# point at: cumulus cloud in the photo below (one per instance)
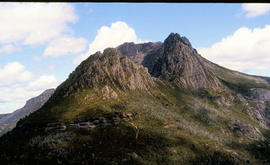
(243, 50)
(43, 82)
(18, 85)
(34, 23)
(118, 33)
(14, 72)
(254, 10)
(65, 45)
(17, 94)
(39, 23)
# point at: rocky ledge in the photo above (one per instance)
(100, 122)
(244, 129)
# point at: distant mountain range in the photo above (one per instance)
(8, 121)
(3, 115)
(151, 103)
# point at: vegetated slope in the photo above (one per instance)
(178, 109)
(8, 121)
(96, 80)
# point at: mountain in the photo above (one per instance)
(107, 69)
(174, 60)
(8, 121)
(150, 103)
(3, 115)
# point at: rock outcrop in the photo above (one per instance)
(174, 60)
(109, 70)
(181, 64)
(245, 130)
(259, 106)
(138, 52)
(260, 94)
(100, 122)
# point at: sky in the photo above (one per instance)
(42, 43)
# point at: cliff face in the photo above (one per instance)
(181, 64)
(138, 52)
(174, 60)
(108, 69)
(9, 121)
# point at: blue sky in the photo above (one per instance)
(41, 43)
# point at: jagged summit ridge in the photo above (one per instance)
(138, 52)
(176, 61)
(174, 38)
(182, 64)
(107, 69)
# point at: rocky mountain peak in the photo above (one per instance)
(182, 64)
(173, 60)
(107, 69)
(175, 40)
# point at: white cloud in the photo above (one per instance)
(65, 45)
(43, 82)
(39, 23)
(244, 50)
(7, 107)
(34, 23)
(8, 48)
(14, 73)
(118, 33)
(255, 9)
(18, 85)
(17, 93)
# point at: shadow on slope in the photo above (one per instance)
(112, 145)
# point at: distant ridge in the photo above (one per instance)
(8, 121)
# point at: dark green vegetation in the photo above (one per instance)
(112, 111)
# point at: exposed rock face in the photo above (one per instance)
(181, 64)
(259, 98)
(138, 52)
(242, 128)
(145, 54)
(108, 70)
(9, 121)
(260, 94)
(174, 60)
